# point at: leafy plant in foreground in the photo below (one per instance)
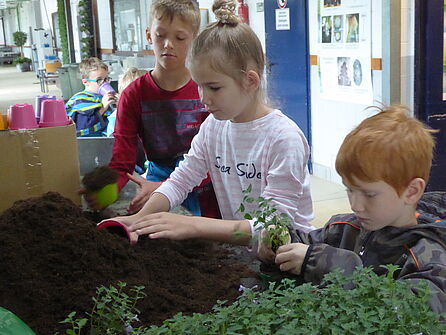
(113, 311)
(376, 305)
(266, 216)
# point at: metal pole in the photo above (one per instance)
(391, 51)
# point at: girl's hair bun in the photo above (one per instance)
(224, 11)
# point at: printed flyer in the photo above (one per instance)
(345, 50)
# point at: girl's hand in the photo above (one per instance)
(270, 239)
(264, 248)
(143, 194)
(165, 225)
(127, 221)
(290, 257)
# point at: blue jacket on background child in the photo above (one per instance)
(88, 109)
(83, 108)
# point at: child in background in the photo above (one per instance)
(384, 164)
(88, 109)
(162, 108)
(244, 142)
(130, 75)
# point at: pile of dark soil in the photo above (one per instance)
(52, 258)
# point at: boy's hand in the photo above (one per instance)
(143, 194)
(268, 237)
(108, 99)
(291, 257)
(90, 199)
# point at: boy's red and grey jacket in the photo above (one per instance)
(419, 251)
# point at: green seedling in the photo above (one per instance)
(114, 310)
(266, 216)
(375, 305)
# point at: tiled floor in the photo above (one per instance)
(328, 199)
(22, 87)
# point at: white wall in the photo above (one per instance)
(33, 15)
(76, 32)
(104, 24)
(331, 121)
(256, 19)
(51, 7)
(10, 22)
(407, 52)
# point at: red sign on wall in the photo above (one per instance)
(282, 3)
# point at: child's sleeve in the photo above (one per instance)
(126, 136)
(191, 171)
(331, 247)
(427, 263)
(287, 179)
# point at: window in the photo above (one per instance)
(130, 18)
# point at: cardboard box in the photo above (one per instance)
(36, 161)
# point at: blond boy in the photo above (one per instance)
(163, 108)
(88, 109)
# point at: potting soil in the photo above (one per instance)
(52, 259)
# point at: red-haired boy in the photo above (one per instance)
(384, 164)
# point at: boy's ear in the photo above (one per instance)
(148, 36)
(252, 80)
(414, 191)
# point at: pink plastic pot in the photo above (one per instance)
(116, 227)
(21, 116)
(53, 114)
(38, 103)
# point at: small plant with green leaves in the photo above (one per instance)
(21, 60)
(375, 305)
(266, 216)
(76, 323)
(114, 310)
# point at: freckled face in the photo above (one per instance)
(377, 205)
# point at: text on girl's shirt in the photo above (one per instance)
(247, 170)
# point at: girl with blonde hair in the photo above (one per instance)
(244, 142)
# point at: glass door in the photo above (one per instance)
(430, 80)
(444, 50)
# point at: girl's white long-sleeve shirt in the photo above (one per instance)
(270, 153)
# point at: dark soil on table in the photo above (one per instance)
(52, 259)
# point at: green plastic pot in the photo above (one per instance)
(106, 195)
(10, 324)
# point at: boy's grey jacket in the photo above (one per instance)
(420, 251)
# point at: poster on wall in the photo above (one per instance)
(345, 50)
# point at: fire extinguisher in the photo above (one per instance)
(243, 12)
